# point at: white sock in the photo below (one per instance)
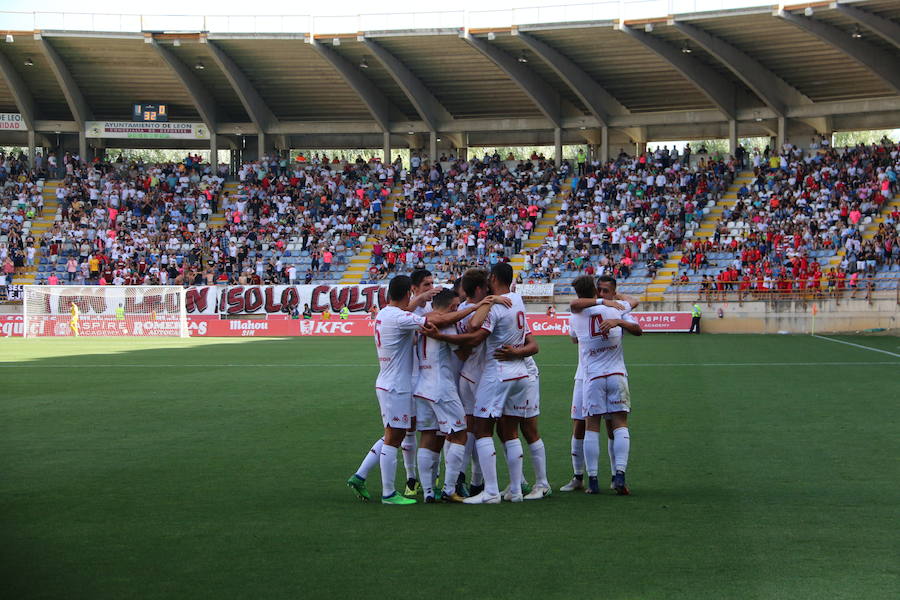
(578, 456)
(468, 451)
(453, 462)
(477, 475)
(611, 449)
(621, 444)
(487, 457)
(409, 454)
(539, 462)
(388, 470)
(514, 464)
(436, 466)
(426, 459)
(591, 452)
(371, 459)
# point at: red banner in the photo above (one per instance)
(283, 326)
(12, 325)
(273, 326)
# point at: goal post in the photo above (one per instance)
(94, 310)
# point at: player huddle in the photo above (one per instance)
(456, 364)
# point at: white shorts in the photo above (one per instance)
(397, 409)
(467, 395)
(445, 416)
(495, 398)
(532, 406)
(578, 400)
(604, 395)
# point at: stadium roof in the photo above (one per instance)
(759, 70)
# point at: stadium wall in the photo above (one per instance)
(785, 316)
(750, 317)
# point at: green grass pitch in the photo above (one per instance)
(761, 467)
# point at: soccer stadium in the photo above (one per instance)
(266, 272)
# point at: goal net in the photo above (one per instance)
(60, 310)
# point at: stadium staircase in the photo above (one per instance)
(359, 264)
(542, 228)
(28, 275)
(666, 275)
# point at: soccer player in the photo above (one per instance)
(438, 407)
(578, 323)
(605, 379)
(525, 417)
(73, 321)
(502, 386)
(395, 330)
(423, 291)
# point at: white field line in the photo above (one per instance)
(822, 337)
(10, 365)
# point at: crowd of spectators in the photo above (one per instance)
(124, 222)
(623, 217)
(801, 209)
(457, 214)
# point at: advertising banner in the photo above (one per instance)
(280, 299)
(12, 121)
(146, 131)
(535, 290)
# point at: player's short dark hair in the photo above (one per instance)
(585, 287)
(472, 279)
(607, 279)
(503, 273)
(418, 276)
(399, 287)
(443, 298)
(457, 286)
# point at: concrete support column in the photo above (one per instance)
(732, 137)
(261, 149)
(387, 148)
(432, 147)
(31, 145)
(557, 144)
(82, 145)
(213, 148)
(782, 133)
(640, 148)
(604, 144)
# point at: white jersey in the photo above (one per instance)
(601, 355)
(395, 331)
(437, 379)
(507, 327)
(578, 324)
(473, 366)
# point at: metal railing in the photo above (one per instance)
(803, 290)
(293, 23)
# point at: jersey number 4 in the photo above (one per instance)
(596, 321)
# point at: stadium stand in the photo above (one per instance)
(133, 223)
(454, 215)
(625, 217)
(802, 221)
(657, 222)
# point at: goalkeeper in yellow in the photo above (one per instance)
(73, 322)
